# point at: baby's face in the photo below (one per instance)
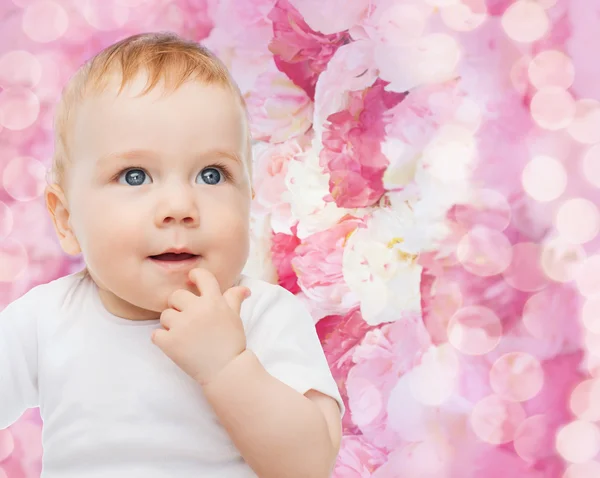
(145, 179)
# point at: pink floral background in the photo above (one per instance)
(427, 176)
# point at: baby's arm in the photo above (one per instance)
(18, 362)
(268, 399)
(279, 432)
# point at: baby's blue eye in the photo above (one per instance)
(210, 176)
(134, 177)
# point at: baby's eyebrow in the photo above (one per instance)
(134, 154)
(145, 154)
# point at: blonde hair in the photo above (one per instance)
(162, 56)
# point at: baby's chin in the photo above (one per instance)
(158, 302)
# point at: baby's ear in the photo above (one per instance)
(59, 212)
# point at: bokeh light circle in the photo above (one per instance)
(465, 15)
(484, 251)
(560, 259)
(474, 330)
(407, 416)
(591, 364)
(585, 126)
(590, 315)
(551, 68)
(495, 420)
(19, 68)
(578, 220)
(449, 156)
(433, 381)
(104, 16)
(439, 55)
(368, 400)
(51, 84)
(519, 76)
(542, 317)
(131, 3)
(24, 178)
(516, 376)
(585, 400)
(553, 108)
(468, 114)
(590, 469)
(533, 438)
(403, 24)
(587, 276)
(45, 21)
(591, 165)
(19, 108)
(525, 272)
(546, 3)
(6, 220)
(578, 441)
(13, 260)
(446, 299)
(591, 342)
(525, 21)
(23, 3)
(488, 208)
(544, 178)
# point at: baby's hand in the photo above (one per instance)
(203, 334)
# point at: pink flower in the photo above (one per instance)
(383, 355)
(332, 16)
(427, 459)
(300, 52)
(358, 458)
(282, 253)
(351, 68)
(279, 110)
(21, 447)
(417, 118)
(468, 289)
(269, 171)
(241, 37)
(318, 264)
(340, 335)
(238, 12)
(352, 147)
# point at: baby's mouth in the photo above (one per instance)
(173, 256)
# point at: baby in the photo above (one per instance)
(161, 358)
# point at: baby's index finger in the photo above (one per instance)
(205, 281)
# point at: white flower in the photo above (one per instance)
(441, 180)
(403, 159)
(260, 264)
(381, 269)
(307, 184)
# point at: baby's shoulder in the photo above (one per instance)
(50, 296)
(270, 303)
(265, 294)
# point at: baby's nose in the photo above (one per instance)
(179, 208)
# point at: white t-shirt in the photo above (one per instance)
(114, 405)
